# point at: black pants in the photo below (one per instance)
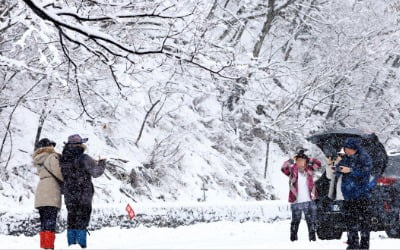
(78, 216)
(358, 221)
(48, 218)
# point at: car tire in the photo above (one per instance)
(328, 233)
(393, 231)
(393, 225)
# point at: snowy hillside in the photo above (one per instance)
(193, 159)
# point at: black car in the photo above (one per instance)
(385, 202)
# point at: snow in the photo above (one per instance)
(217, 235)
(212, 151)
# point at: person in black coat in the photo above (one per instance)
(78, 169)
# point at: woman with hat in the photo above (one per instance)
(78, 169)
(48, 191)
(302, 192)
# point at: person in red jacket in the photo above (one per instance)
(302, 192)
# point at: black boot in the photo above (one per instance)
(311, 236)
(352, 240)
(311, 232)
(294, 227)
(364, 243)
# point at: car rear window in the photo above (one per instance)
(393, 166)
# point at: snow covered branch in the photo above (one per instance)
(118, 16)
(102, 39)
(85, 31)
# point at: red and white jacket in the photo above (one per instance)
(292, 170)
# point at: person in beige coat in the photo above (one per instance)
(48, 191)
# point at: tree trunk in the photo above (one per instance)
(43, 115)
(212, 10)
(266, 158)
(265, 30)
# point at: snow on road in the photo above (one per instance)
(218, 235)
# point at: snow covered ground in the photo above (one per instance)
(217, 235)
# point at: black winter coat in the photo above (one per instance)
(78, 186)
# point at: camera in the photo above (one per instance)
(337, 168)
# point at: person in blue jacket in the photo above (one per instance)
(356, 169)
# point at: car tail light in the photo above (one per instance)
(385, 181)
(386, 206)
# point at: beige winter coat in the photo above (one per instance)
(48, 191)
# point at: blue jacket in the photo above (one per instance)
(355, 185)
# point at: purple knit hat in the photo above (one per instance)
(76, 139)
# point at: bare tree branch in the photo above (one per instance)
(12, 112)
(11, 150)
(76, 77)
(130, 16)
(144, 121)
(4, 85)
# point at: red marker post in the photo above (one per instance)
(130, 211)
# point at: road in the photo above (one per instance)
(218, 235)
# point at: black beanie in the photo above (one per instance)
(44, 143)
